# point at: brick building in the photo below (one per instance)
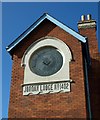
(55, 71)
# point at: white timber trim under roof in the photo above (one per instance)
(41, 19)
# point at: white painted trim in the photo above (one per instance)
(28, 31)
(92, 24)
(62, 74)
(67, 29)
(42, 18)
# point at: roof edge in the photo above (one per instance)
(35, 24)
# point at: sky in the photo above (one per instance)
(18, 16)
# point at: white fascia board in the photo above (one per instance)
(26, 33)
(64, 27)
(67, 29)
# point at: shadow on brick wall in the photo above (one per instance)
(94, 85)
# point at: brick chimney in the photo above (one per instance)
(87, 27)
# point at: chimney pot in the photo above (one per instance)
(83, 18)
(88, 17)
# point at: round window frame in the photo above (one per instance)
(38, 50)
(62, 75)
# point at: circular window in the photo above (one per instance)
(46, 61)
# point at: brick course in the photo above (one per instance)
(94, 73)
(57, 105)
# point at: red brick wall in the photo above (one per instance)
(59, 105)
(94, 71)
(91, 34)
